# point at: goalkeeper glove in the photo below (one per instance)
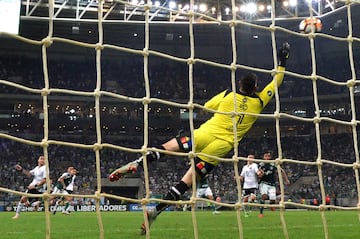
(283, 54)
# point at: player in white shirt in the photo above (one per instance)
(249, 177)
(37, 186)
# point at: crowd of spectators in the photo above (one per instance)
(168, 80)
(124, 76)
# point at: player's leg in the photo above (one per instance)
(57, 201)
(174, 194)
(209, 195)
(202, 168)
(68, 200)
(35, 202)
(66, 208)
(217, 199)
(178, 143)
(132, 166)
(246, 207)
(205, 144)
(200, 193)
(251, 198)
(264, 196)
(53, 197)
(252, 195)
(272, 196)
(246, 195)
(22, 201)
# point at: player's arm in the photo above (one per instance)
(286, 179)
(260, 171)
(61, 180)
(20, 169)
(242, 175)
(269, 90)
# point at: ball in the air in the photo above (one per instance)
(310, 24)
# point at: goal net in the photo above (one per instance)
(134, 82)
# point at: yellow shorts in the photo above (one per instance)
(211, 145)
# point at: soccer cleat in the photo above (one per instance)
(65, 212)
(260, 215)
(151, 216)
(124, 170)
(215, 212)
(16, 216)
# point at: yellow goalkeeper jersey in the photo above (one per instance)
(221, 125)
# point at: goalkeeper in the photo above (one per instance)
(214, 137)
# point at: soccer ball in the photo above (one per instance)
(309, 25)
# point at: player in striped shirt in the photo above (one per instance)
(64, 185)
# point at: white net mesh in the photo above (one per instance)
(191, 19)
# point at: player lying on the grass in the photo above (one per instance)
(37, 185)
(64, 185)
(216, 136)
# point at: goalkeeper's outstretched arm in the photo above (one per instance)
(268, 92)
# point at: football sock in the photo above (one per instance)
(67, 204)
(173, 194)
(18, 209)
(151, 156)
(262, 208)
(56, 205)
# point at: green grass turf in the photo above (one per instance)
(178, 225)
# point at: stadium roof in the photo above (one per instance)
(77, 20)
(177, 10)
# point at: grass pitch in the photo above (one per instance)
(179, 225)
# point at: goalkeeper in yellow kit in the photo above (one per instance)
(216, 136)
